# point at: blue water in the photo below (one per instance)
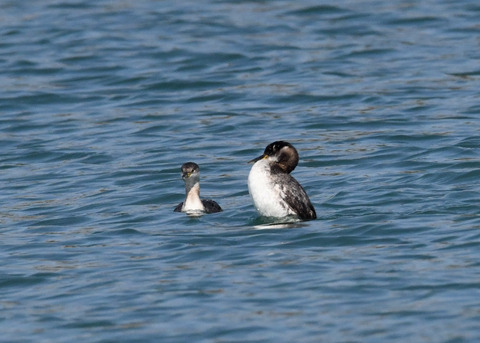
(102, 101)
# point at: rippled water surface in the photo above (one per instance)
(102, 101)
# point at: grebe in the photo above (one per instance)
(274, 191)
(193, 203)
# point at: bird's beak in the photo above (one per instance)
(258, 158)
(186, 175)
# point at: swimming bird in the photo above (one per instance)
(274, 191)
(193, 203)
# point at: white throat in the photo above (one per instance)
(192, 202)
(266, 195)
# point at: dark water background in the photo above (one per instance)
(102, 101)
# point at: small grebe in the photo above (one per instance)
(193, 203)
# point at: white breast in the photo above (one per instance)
(265, 193)
(193, 203)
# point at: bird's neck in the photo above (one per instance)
(192, 199)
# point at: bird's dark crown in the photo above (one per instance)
(275, 147)
(190, 167)
(287, 155)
